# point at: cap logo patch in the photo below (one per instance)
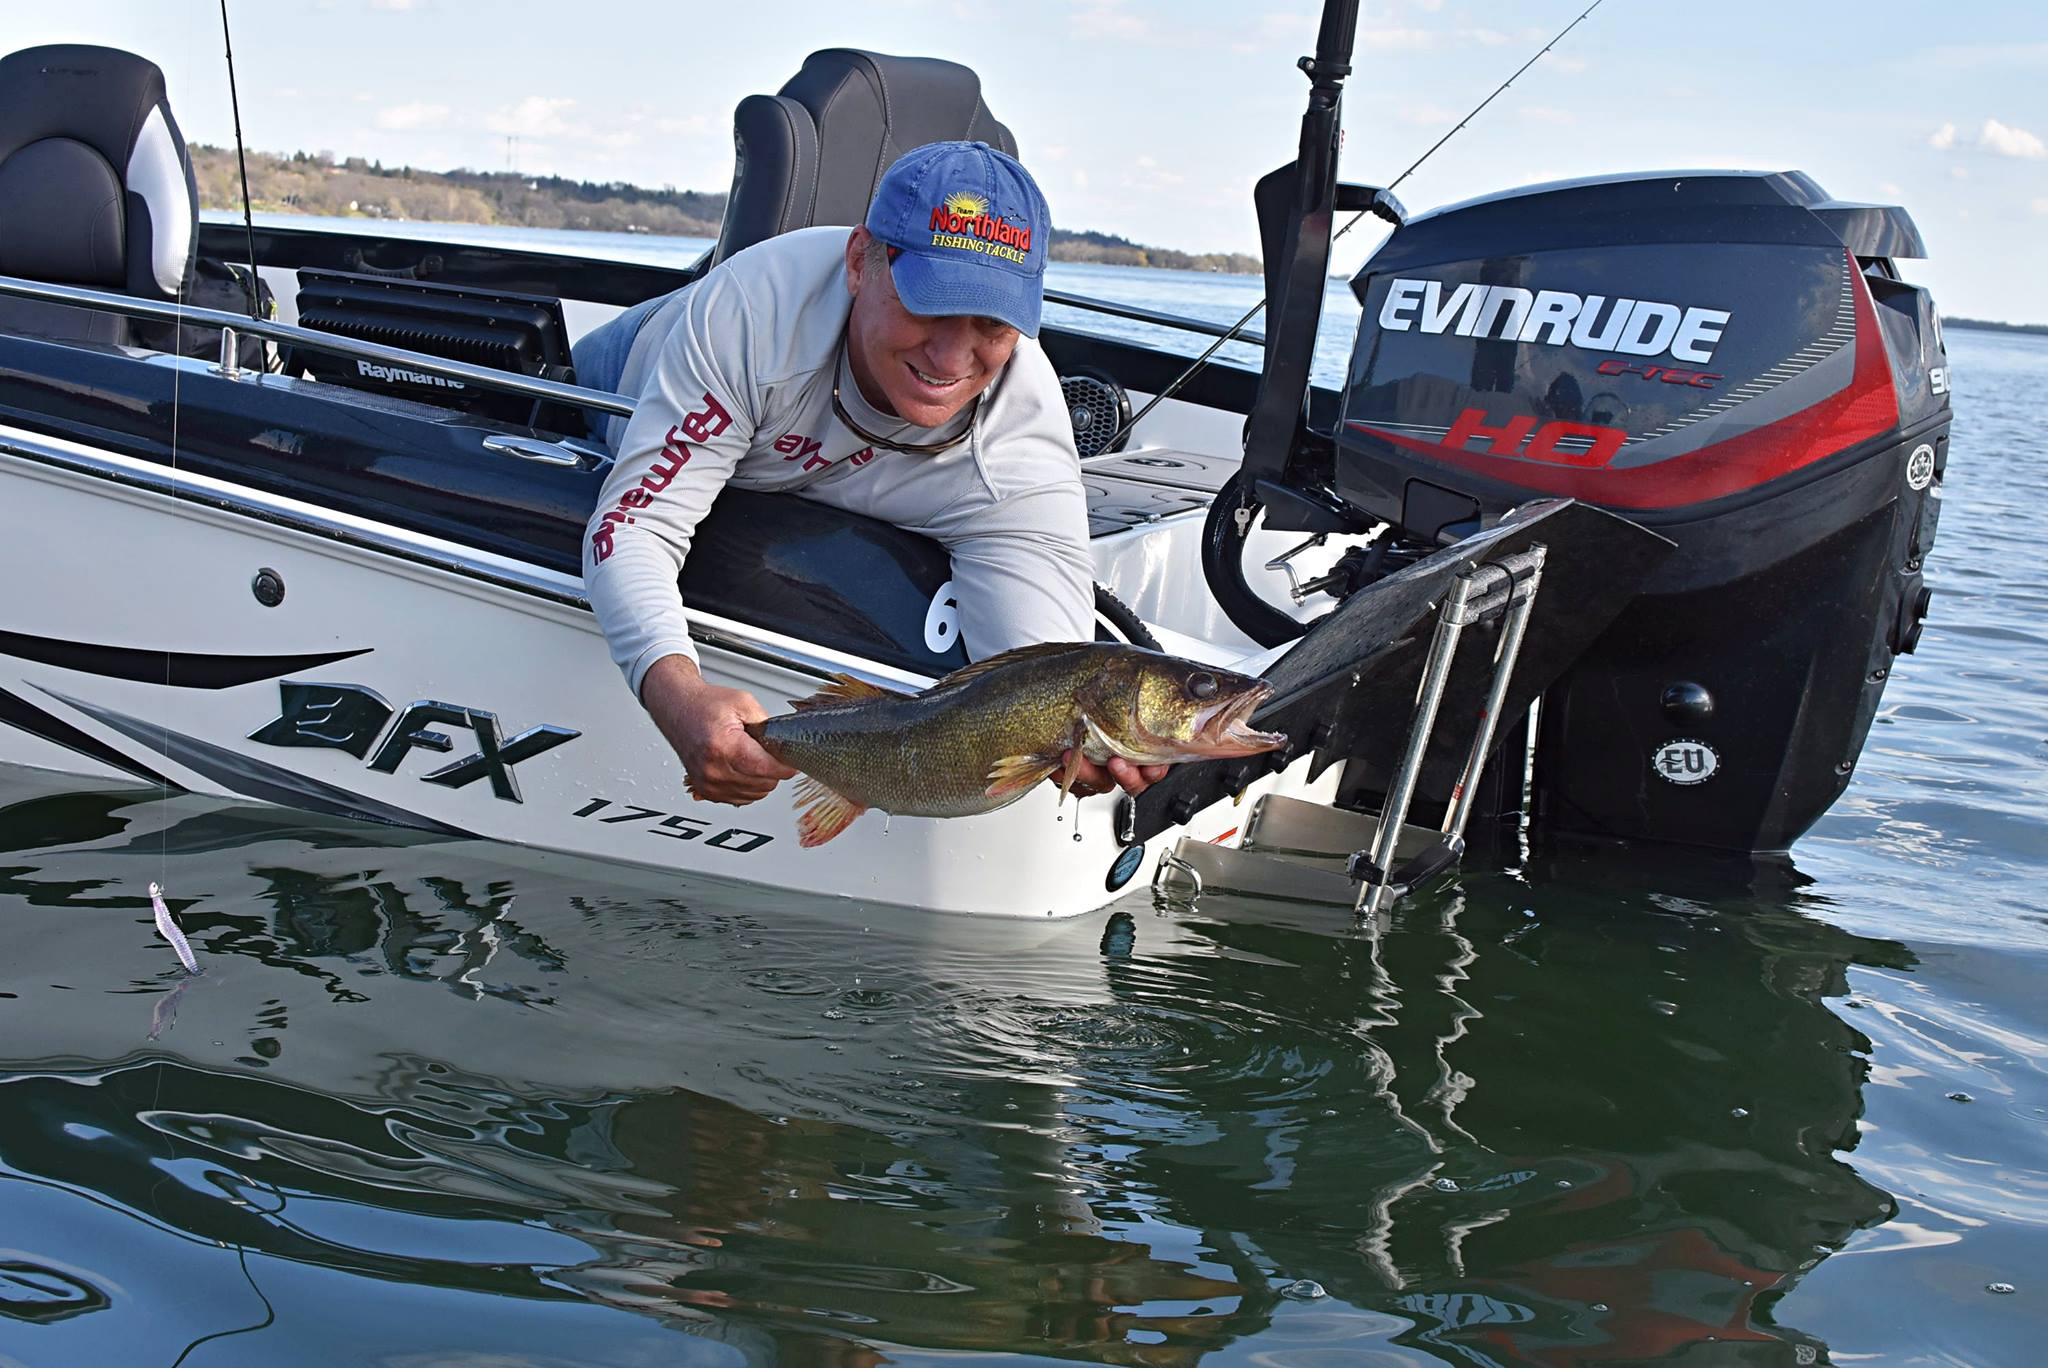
(963, 223)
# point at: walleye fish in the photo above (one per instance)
(980, 738)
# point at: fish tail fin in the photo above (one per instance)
(824, 812)
(1013, 774)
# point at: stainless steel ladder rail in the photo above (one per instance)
(1510, 586)
(1284, 838)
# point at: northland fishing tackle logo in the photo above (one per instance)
(964, 223)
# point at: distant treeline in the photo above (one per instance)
(315, 183)
(1986, 325)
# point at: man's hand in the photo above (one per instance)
(706, 725)
(1092, 778)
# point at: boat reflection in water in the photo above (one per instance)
(433, 1099)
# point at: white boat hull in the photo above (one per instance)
(115, 571)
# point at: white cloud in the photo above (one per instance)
(534, 116)
(1942, 138)
(1150, 177)
(1080, 180)
(1390, 39)
(394, 6)
(1959, 172)
(1107, 19)
(1979, 56)
(405, 117)
(1888, 189)
(2007, 141)
(2040, 205)
(1546, 114)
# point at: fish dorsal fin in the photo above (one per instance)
(844, 688)
(1009, 657)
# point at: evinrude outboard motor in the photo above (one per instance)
(1729, 359)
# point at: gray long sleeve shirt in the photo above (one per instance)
(734, 376)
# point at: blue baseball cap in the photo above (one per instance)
(970, 229)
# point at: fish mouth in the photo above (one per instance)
(1224, 729)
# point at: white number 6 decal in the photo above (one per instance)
(942, 621)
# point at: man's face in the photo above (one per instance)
(922, 370)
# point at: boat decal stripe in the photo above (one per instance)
(19, 712)
(252, 778)
(179, 669)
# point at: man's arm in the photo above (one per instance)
(692, 424)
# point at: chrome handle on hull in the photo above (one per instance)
(531, 449)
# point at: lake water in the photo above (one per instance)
(438, 1103)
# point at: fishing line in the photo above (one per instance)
(1253, 311)
(242, 158)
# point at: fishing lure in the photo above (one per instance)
(168, 929)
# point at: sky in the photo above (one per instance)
(1152, 118)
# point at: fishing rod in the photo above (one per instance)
(1253, 312)
(241, 158)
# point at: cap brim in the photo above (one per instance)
(934, 287)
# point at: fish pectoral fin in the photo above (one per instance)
(1013, 774)
(823, 812)
(1075, 759)
(844, 688)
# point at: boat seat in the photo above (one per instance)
(96, 186)
(814, 152)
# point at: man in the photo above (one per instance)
(890, 370)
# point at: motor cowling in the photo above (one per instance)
(1730, 359)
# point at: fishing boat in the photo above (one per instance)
(1612, 533)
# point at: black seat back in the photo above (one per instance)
(814, 152)
(96, 186)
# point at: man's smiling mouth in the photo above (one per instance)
(935, 381)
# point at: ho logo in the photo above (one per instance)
(1522, 437)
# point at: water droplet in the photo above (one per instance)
(1599, 1306)
(2001, 1288)
(1738, 1112)
(1077, 835)
(1304, 1289)
(1445, 1185)
(1564, 1182)
(1664, 1008)
(885, 824)
(833, 1014)
(1960, 1096)
(1852, 1002)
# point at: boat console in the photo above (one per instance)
(520, 334)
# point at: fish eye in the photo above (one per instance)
(1201, 685)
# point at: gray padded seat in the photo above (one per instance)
(814, 152)
(96, 186)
